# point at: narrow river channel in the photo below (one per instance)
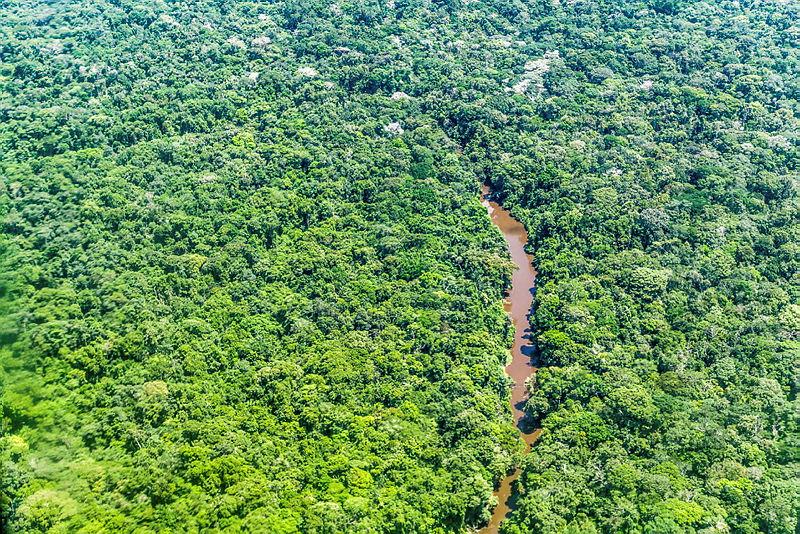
(518, 306)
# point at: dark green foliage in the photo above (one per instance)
(663, 210)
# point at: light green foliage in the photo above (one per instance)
(234, 301)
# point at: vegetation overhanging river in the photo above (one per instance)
(518, 306)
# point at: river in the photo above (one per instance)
(518, 306)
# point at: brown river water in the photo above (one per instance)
(518, 306)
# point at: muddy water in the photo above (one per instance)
(518, 305)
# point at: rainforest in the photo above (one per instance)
(248, 281)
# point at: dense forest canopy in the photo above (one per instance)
(246, 283)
